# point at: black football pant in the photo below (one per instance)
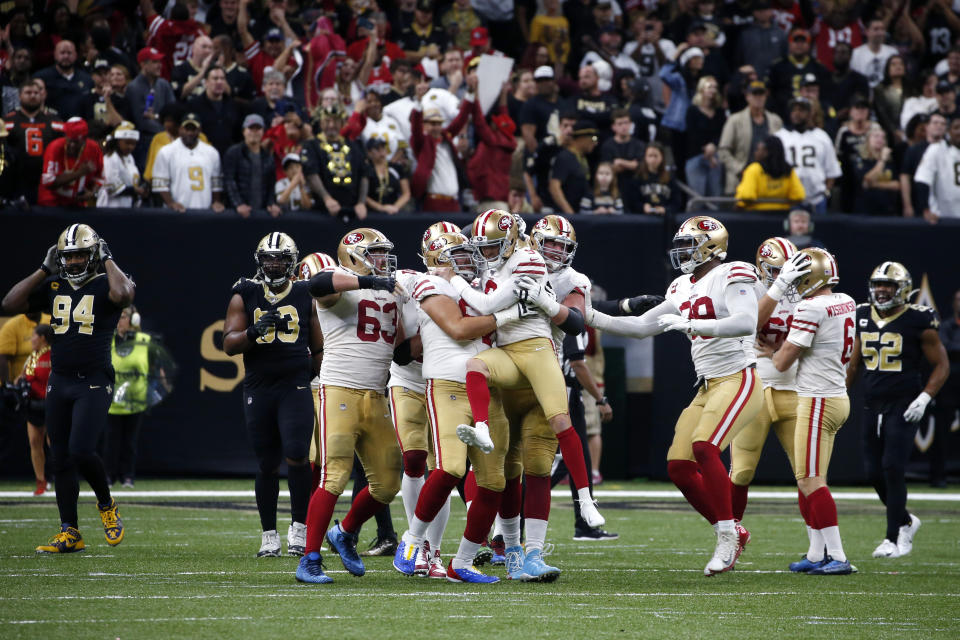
(123, 431)
(887, 443)
(76, 417)
(280, 422)
(579, 421)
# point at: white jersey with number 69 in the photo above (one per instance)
(191, 176)
(443, 357)
(775, 332)
(359, 332)
(812, 154)
(825, 325)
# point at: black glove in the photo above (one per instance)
(50, 263)
(639, 305)
(378, 283)
(104, 253)
(260, 328)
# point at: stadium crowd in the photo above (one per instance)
(612, 106)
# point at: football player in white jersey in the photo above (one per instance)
(187, 172)
(715, 304)
(452, 333)
(810, 151)
(936, 177)
(358, 305)
(821, 339)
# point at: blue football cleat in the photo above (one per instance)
(536, 570)
(310, 569)
(803, 565)
(405, 558)
(513, 559)
(496, 558)
(345, 544)
(831, 567)
(469, 574)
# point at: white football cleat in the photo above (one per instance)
(476, 436)
(905, 537)
(725, 555)
(591, 515)
(437, 568)
(886, 549)
(421, 566)
(269, 544)
(296, 539)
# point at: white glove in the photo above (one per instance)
(505, 316)
(793, 269)
(673, 322)
(917, 408)
(541, 296)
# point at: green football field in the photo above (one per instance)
(187, 569)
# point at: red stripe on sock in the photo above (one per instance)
(512, 499)
(686, 476)
(483, 510)
(435, 490)
(536, 501)
(319, 513)
(716, 483)
(572, 451)
(478, 393)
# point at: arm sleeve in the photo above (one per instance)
(804, 326)
(634, 326)
(486, 303)
(742, 305)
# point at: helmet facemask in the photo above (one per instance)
(77, 272)
(501, 244)
(685, 254)
(893, 294)
(376, 256)
(556, 257)
(463, 259)
(275, 267)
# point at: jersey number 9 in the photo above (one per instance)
(82, 314)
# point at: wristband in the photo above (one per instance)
(45, 269)
(509, 314)
(364, 282)
(625, 306)
(776, 290)
(602, 401)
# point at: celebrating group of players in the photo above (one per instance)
(458, 368)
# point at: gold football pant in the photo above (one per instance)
(533, 444)
(818, 420)
(408, 409)
(448, 407)
(357, 420)
(720, 410)
(529, 363)
(779, 411)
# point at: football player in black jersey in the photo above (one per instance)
(85, 303)
(892, 337)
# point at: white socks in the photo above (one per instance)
(435, 529)
(465, 554)
(831, 535)
(510, 528)
(536, 534)
(726, 526)
(410, 492)
(815, 551)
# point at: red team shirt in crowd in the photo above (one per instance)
(36, 371)
(55, 162)
(826, 38)
(173, 38)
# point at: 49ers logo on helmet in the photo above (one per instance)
(505, 223)
(766, 251)
(708, 225)
(426, 235)
(438, 244)
(541, 224)
(352, 238)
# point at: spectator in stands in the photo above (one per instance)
(148, 94)
(682, 78)
(762, 42)
(291, 191)
(402, 73)
(459, 21)
(810, 151)
(219, 114)
(67, 84)
(786, 75)
(538, 110)
(889, 95)
(651, 51)
(843, 84)
(187, 77)
(952, 73)
(351, 80)
(222, 19)
(870, 58)
(610, 51)
(654, 191)
(947, 101)
(389, 185)
(926, 130)
(848, 143)
(551, 28)
(272, 105)
(102, 46)
(623, 151)
(480, 45)
(171, 37)
(770, 176)
(591, 102)
(423, 37)
(823, 115)
(604, 198)
(435, 179)
(569, 175)
(31, 131)
(925, 103)
(118, 79)
(276, 50)
(21, 62)
(99, 110)
(935, 180)
(72, 168)
(122, 185)
(170, 116)
(334, 167)
(743, 131)
(878, 187)
(800, 228)
(239, 80)
(489, 168)
(705, 120)
(9, 186)
(451, 73)
(187, 172)
(538, 164)
(525, 87)
(248, 172)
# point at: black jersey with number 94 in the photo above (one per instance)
(890, 350)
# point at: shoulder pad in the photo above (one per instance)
(742, 272)
(240, 285)
(427, 286)
(581, 283)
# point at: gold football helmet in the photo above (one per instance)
(75, 240)
(276, 256)
(698, 240)
(366, 251)
(313, 264)
(771, 255)
(556, 230)
(453, 250)
(823, 273)
(885, 276)
(432, 232)
(495, 228)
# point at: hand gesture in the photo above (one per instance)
(794, 269)
(50, 261)
(261, 327)
(103, 251)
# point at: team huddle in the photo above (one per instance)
(458, 369)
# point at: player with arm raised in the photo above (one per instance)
(715, 304)
(821, 342)
(85, 304)
(358, 307)
(270, 320)
(894, 338)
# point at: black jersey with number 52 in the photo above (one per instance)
(284, 351)
(84, 319)
(890, 350)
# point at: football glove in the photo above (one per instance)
(104, 252)
(378, 283)
(50, 263)
(540, 295)
(673, 322)
(793, 269)
(917, 408)
(639, 305)
(260, 328)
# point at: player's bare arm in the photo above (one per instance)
(786, 355)
(854, 367)
(17, 299)
(122, 288)
(936, 355)
(235, 338)
(446, 313)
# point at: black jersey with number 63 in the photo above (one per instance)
(285, 351)
(890, 350)
(83, 318)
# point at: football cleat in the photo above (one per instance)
(421, 565)
(887, 549)
(296, 538)
(310, 569)
(804, 565)
(112, 524)
(535, 569)
(593, 535)
(345, 544)
(513, 559)
(590, 514)
(831, 567)
(41, 488)
(498, 550)
(404, 559)
(269, 544)
(68, 540)
(476, 436)
(905, 537)
(483, 555)
(743, 537)
(437, 570)
(469, 574)
(381, 547)
(725, 554)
